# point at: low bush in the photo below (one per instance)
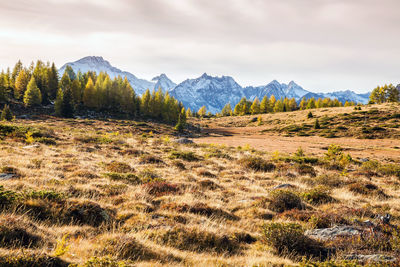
(197, 240)
(317, 196)
(288, 239)
(26, 259)
(282, 200)
(85, 212)
(257, 164)
(184, 155)
(123, 177)
(119, 167)
(150, 159)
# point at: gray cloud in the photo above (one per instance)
(322, 44)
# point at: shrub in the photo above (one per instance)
(7, 197)
(206, 173)
(124, 177)
(150, 159)
(6, 114)
(25, 259)
(288, 239)
(310, 115)
(184, 155)
(257, 164)
(197, 240)
(304, 169)
(282, 200)
(45, 194)
(101, 262)
(85, 212)
(317, 196)
(119, 167)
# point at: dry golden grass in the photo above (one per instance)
(113, 192)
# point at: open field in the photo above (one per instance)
(123, 193)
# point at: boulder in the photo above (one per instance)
(331, 233)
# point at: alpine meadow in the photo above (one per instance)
(274, 140)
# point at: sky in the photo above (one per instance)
(323, 45)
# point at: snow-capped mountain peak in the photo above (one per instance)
(162, 81)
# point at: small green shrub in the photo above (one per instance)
(257, 164)
(305, 169)
(197, 240)
(24, 259)
(150, 159)
(288, 239)
(317, 196)
(7, 197)
(282, 200)
(123, 177)
(184, 155)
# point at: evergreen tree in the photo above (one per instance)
(393, 94)
(272, 101)
(21, 83)
(40, 75)
(32, 96)
(316, 124)
(303, 103)
(70, 72)
(89, 95)
(278, 107)
(58, 104)
(311, 103)
(3, 88)
(264, 105)
(6, 114)
(202, 111)
(145, 104)
(17, 69)
(310, 115)
(179, 126)
(227, 110)
(52, 78)
(67, 103)
(77, 93)
(255, 106)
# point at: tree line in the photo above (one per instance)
(386, 93)
(39, 84)
(272, 105)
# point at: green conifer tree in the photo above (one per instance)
(6, 114)
(32, 96)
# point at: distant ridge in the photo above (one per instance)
(210, 91)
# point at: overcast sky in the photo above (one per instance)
(323, 45)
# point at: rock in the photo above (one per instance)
(183, 141)
(283, 186)
(7, 176)
(364, 160)
(370, 258)
(331, 233)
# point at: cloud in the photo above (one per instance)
(322, 44)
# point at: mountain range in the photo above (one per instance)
(209, 91)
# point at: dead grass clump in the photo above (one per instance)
(288, 239)
(305, 169)
(329, 180)
(178, 164)
(201, 209)
(257, 164)
(159, 188)
(206, 173)
(84, 174)
(297, 215)
(282, 200)
(208, 184)
(119, 167)
(126, 247)
(132, 152)
(184, 155)
(197, 240)
(15, 233)
(366, 188)
(150, 159)
(30, 259)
